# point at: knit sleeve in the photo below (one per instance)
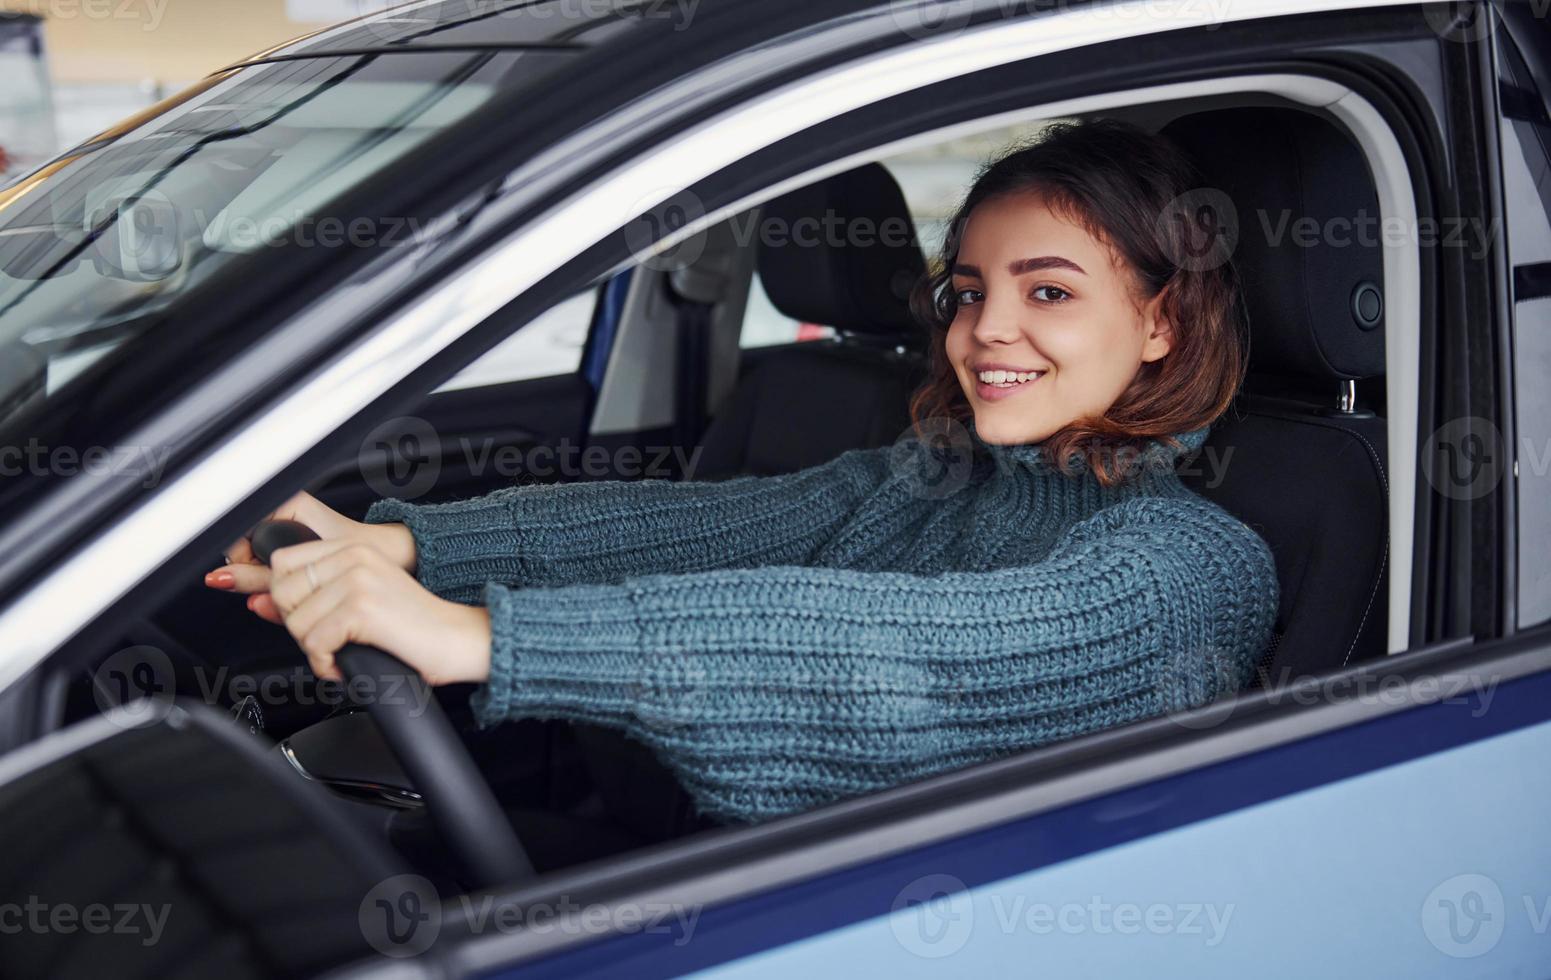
(607, 531)
(773, 690)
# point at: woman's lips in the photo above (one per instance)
(994, 393)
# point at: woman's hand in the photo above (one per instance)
(333, 592)
(244, 573)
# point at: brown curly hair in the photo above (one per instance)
(1131, 190)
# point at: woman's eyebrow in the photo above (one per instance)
(1021, 267)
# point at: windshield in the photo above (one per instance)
(97, 244)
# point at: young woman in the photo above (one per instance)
(786, 641)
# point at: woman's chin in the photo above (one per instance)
(1006, 432)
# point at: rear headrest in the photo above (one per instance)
(842, 252)
(1309, 250)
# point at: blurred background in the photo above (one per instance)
(71, 68)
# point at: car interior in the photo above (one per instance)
(662, 365)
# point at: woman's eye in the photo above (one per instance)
(1051, 294)
(966, 297)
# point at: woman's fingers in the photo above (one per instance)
(321, 625)
(263, 606)
(334, 592)
(245, 578)
(240, 552)
(244, 573)
(304, 569)
(287, 560)
(334, 604)
(298, 508)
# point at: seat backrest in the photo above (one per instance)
(1309, 476)
(847, 258)
(802, 407)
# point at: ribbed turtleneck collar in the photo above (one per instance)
(1156, 455)
(1010, 505)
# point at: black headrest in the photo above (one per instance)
(842, 252)
(1310, 236)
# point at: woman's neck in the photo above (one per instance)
(1150, 468)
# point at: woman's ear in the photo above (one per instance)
(1159, 330)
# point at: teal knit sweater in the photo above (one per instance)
(786, 641)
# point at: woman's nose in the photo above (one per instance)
(997, 324)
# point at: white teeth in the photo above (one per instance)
(1007, 378)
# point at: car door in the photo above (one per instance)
(1376, 821)
(1311, 808)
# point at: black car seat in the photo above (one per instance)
(805, 404)
(1301, 455)
(798, 406)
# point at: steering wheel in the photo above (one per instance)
(462, 807)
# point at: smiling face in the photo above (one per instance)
(1048, 329)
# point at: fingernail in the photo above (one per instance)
(220, 580)
(251, 600)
